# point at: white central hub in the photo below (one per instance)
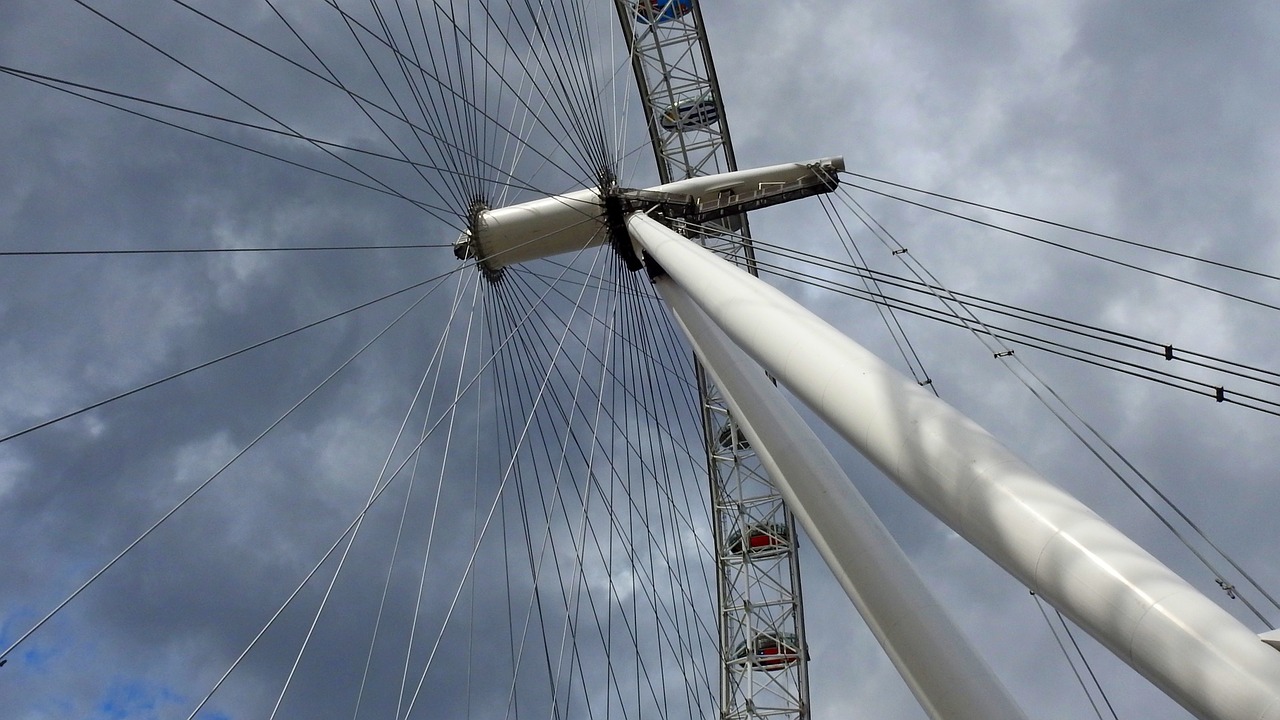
(566, 223)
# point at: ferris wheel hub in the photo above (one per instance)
(557, 224)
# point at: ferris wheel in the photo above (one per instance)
(337, 458)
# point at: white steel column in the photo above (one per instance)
(1151, 618)
(950, 680)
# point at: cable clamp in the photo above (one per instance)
(1227, 587)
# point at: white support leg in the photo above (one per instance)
(1152, 619)
(950, 680)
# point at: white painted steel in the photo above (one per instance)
(1152, 619)
(539, 228)
(573, 221)
(709, 187)
(950, 680)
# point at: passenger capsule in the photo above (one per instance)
(696, 114)
(660, 11)
(761, 539)
(731, 438)
(769, 651)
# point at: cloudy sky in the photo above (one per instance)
(1150, 121)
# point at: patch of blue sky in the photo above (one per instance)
(14, 624)
(37, 650)
(37, 657)
(136, 700)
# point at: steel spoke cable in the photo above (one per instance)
(613, 374)
(677, 571)
(399, 58)
(205, 483)
(588, 88)
(307, 46)
(486, 324)
(937, 314)
(436, 357)
(651, 355)
(537, 118)
(466, 122)
(458, 152)
(669, 333)
(1065, 226)
(608, 328)
(1155, 348)
(673, 344)
(578, 49)
(912, 361)
(360, 101)
(613, 513)
(518, 374)
(631, 447)
(887, 315)
(431, 119)
(570, 102)
(505, 417)
(435, 505)
(642, 512)
(663, 495)
(547, 542)
(632, 397)
(573, 607)
(1105, 361)
(403, 65)
(435, 211)
(479, 79)
(1128, 341)
(506, 476)
(330, 81)
(587, 493)
(230, 93)
(652, 552)
(1064, 246)
(197, 251)
(576, 52)
(351, 537)
(333, 547)
(200, 366)
(509, 412)
(455, 93)
(567, 113)
(1071, 660)
(473, 124)
(514, 144)
(449, 177)
(1072, 637)
(500, 324)
(496, 151)
(484, 366)
(594, 282)
(458, 118)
